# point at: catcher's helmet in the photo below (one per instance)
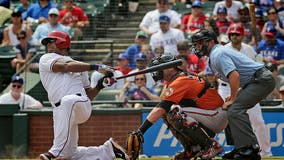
(236, 28)
(199, 38)
(61, 39)
(158, 75)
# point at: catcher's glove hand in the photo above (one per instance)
(133, 144)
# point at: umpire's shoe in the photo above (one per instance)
(251, 152)
(118, 150)
(46, 156)
(229, 155)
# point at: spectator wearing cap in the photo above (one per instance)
(16, 95)
(74, 17)
(38, 12)
(5, 3)
(232, 7)
(194, 21)
(222, 22)
(150, 23)
(133, 50)
(44, 29)
(141, 63)
(259, 20)
(10, 32)
(271, 48)
(123, 63)
(273, 18)
(166, 36)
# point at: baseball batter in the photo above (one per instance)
(236, 34)
(249, 81)
(68, 87)
(188, 107)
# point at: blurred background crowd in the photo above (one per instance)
(127, 34)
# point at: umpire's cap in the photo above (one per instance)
(61, 39)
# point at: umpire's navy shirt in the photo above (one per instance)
(224, 60)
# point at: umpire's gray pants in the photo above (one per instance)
(248, 97)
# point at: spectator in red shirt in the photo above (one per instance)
(74, 17)
(123, 63)
(195, 64)
(194, 21)
(222, 21)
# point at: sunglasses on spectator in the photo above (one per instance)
(16, 86)
(269, 13)
(19, 38)
(142, 79)
(234, 34)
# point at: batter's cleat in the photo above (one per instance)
(46, 156)
(229, 155)
(118, 150)
(214, 150)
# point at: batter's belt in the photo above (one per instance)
(59, 102)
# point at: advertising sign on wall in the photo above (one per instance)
(160, 141)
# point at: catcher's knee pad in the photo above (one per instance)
(188, 128)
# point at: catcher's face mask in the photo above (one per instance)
(200, 48)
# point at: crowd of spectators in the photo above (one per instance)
(164, 30)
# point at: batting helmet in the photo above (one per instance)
(236, 28)
(61, 39)
(158, 75)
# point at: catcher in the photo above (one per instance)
(192, 112)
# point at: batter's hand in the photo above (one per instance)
(107, 80)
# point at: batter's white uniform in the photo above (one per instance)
(96, 76)
(71, 107)
(25, 101)
(255, 114)
(169, 40)
(151, 19)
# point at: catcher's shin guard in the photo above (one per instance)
(189, 128)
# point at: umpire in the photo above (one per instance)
(250, 82)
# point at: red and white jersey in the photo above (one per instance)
(151, 19)
(60, 84)
(169, 40)
(77, 15)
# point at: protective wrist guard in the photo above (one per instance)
(100, 66)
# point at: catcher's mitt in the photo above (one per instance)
(133, 144)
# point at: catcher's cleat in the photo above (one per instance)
(214, 150)
(184, 155)
(118, 150)
(46, 156)
(229, 155)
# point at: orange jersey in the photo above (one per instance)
(184, 91)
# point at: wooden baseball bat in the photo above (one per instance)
(253, 24)
(154, 68)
